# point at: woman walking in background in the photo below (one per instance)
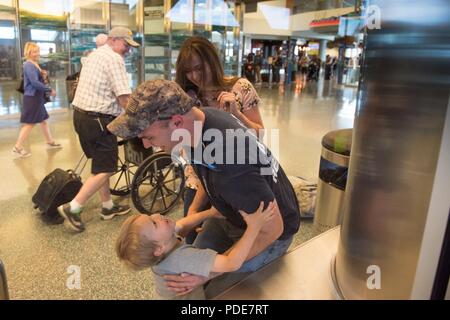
(33, 111)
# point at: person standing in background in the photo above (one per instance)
(249, 68)
(51, 62)
(101, 39)
(277, 63)
(328, 68)
(33, 111)
(258, 64)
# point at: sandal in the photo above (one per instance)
(20, 152)
(53, 145)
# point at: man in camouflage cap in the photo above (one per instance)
(152, 100)
(155, 111)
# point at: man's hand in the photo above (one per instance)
(183, 283)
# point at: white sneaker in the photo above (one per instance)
(53, 145)
(20, 153)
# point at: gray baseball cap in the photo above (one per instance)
(125, 33)
(151, 101)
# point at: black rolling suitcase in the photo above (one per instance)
(57, 188)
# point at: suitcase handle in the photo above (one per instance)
(83, 156)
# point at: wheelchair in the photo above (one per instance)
(153, 180)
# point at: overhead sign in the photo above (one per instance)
(326, 22)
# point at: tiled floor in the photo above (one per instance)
(38, 258)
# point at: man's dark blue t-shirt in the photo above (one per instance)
(249, 176)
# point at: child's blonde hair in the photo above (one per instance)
(29, 46)
(133, 248)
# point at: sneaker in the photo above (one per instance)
(117, 210)
(20, 153)
(53, 145)
(74, 219)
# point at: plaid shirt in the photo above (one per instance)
(102, 79)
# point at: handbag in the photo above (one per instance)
(71, 86)
(19, 87)
(46, 79)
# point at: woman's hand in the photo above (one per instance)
(53, 93)
(228, 103)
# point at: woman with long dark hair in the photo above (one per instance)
(200, 74)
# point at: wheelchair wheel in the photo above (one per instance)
(120, 182)
(157, 184)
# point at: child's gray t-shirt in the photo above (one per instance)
(185, 258)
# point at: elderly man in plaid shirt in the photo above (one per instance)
(102, 93)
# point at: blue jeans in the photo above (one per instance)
(220, 235)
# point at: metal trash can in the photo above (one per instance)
(333, 170)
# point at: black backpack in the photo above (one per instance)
(57, 188)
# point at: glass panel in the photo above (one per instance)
(202, 23)
(181, 22)
(156, 38)
(88, 18)
(45, 23)
(10, 99)
(230, 39)
(65, 31)
(126, 13)
(218, 21)
(167, 24)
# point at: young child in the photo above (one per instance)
(151, 241)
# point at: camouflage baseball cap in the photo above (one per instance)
(151, 101)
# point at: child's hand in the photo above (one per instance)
(260, 216)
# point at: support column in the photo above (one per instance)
(322, 54)
(396, 200)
